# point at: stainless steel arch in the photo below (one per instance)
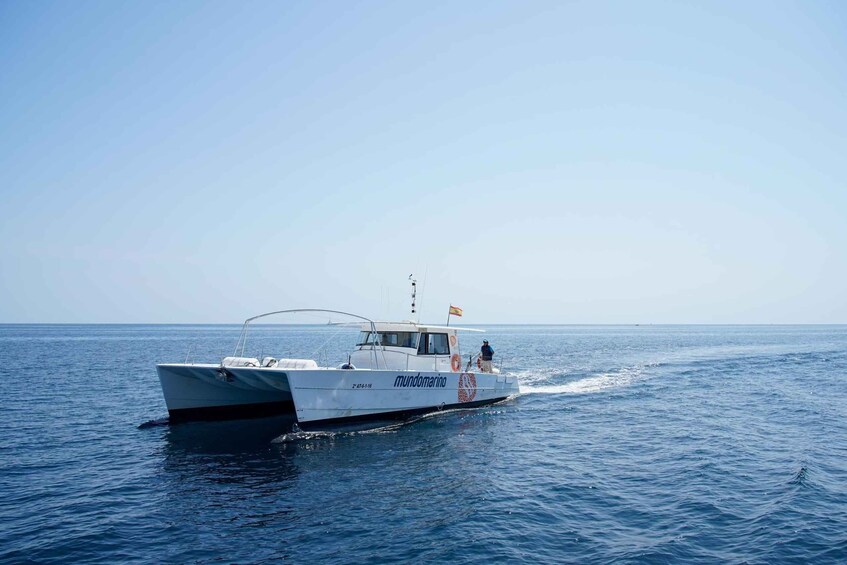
(242, 340)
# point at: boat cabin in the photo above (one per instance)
(408, 346)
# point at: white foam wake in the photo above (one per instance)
(586, 385)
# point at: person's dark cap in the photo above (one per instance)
(484, 341)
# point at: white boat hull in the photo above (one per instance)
(338, 395)
(323, 395)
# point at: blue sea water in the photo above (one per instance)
(643, 444)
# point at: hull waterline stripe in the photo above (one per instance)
(237, 412)
(312, 425)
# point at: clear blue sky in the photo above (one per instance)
(536, 162)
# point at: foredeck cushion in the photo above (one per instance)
(296, 364)
(240, 362)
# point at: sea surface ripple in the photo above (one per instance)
(641, 444)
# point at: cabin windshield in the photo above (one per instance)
(389, 339)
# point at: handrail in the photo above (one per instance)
(248, 320)
(242, 340)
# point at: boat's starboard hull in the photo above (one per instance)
(333, 396)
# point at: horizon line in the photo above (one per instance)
(631, 324)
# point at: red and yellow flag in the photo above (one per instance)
(455, 310)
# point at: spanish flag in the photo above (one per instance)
(455, 310)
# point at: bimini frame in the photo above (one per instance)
(242, 339)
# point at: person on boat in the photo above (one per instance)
(487, 354)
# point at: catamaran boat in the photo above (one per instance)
(396, 370)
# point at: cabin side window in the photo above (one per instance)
(433, 344)
(389, 339)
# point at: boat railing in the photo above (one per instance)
(473, 358)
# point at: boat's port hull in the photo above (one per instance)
(194, 391)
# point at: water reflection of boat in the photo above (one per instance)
(230, 453)
(247, 437)
(397, 369)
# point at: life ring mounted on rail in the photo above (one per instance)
(455, 362)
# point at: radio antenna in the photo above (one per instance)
(414, 293)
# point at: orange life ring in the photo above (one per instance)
(455, 362)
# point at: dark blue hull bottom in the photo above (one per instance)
(240, 412)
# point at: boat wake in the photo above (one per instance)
(581, 380)
(154, 423)
(299, 436)
(539, 381)
(294, 437)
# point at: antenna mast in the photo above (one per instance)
(414, 293)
